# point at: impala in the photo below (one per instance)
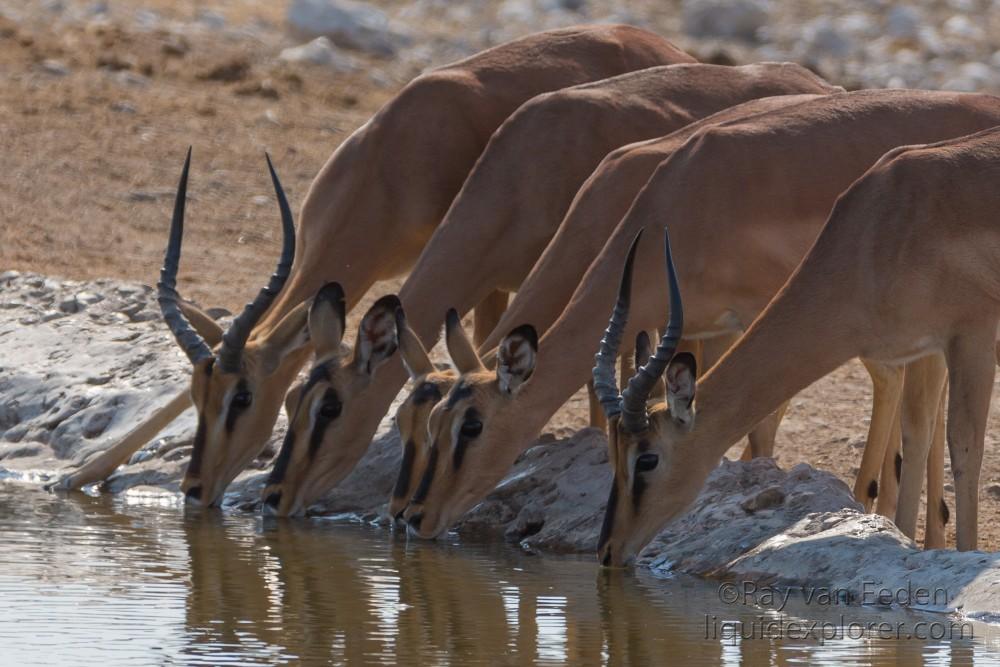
(745, 200)
(601, 203)
(906, 266)
(430, 384)
(512, 203)
(366, 217)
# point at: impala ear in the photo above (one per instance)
(377, 335)
(327, 320)
(289, 335)
(202, 322)
(681, 379)
(460, 348)
(414, 355)
(516, 358)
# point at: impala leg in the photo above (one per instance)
(937, 509)
(762, 436)
(597, 418)
(971, 367)
(101, 466)
(888, 480)
(922, 385)
(887, 384)
(487, 316)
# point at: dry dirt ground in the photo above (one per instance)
(94, 122)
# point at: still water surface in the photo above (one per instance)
(135, 580)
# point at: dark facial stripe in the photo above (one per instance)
(318, 374)
(463, 442)
(405, 470)
(198, 451)
(428, 478)
(235, 410)
(460, 392)
(319, 428)
(284, 458)
(427, 392)
(609, 516)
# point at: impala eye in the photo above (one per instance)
(646, 462)
(242, 399)
(330, 410)
(471, 428)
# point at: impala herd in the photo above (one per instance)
(803, 225)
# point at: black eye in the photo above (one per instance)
(330, 410)
(242, 399)
(646, 462)
(471, 428)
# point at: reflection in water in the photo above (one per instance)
(129, 581)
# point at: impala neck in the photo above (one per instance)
(809, 330)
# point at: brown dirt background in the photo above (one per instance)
(90, 160)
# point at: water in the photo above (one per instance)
(134, 580)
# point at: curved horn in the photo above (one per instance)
(194, 345)
(605, 386)
(236, 337)
(642, 383)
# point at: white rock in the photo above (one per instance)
(348, 23)
(517, 11)
(55, 67)
(725, 18)
(824, 39)
(961, 27)
(211, 20)
(320, 51)
(903, 22)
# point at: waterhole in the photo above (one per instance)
(137, 580)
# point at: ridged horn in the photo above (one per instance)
(235, 338)
(191, 342)
(605, 386)
(645, 379)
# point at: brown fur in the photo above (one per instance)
(743, 199)
(372, 207)
(906, 266)
(519, 191)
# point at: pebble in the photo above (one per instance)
(55, 67)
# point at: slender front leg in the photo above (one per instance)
(597, 418)
(762, 436)
(935, 536)
(971, 367)
(888, 480)
(922, 385)
(887, 384)
(101, 466)
(487, 316)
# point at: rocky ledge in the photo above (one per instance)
(81, 363)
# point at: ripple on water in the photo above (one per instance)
(94, 580)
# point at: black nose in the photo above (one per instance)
(415, 520)
(193, 494)
(273, 500)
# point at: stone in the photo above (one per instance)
(54, 67)
(734, 19)
(320, 51)
(823, 38)
(348, 23)
(69, 305)
(903, 22)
